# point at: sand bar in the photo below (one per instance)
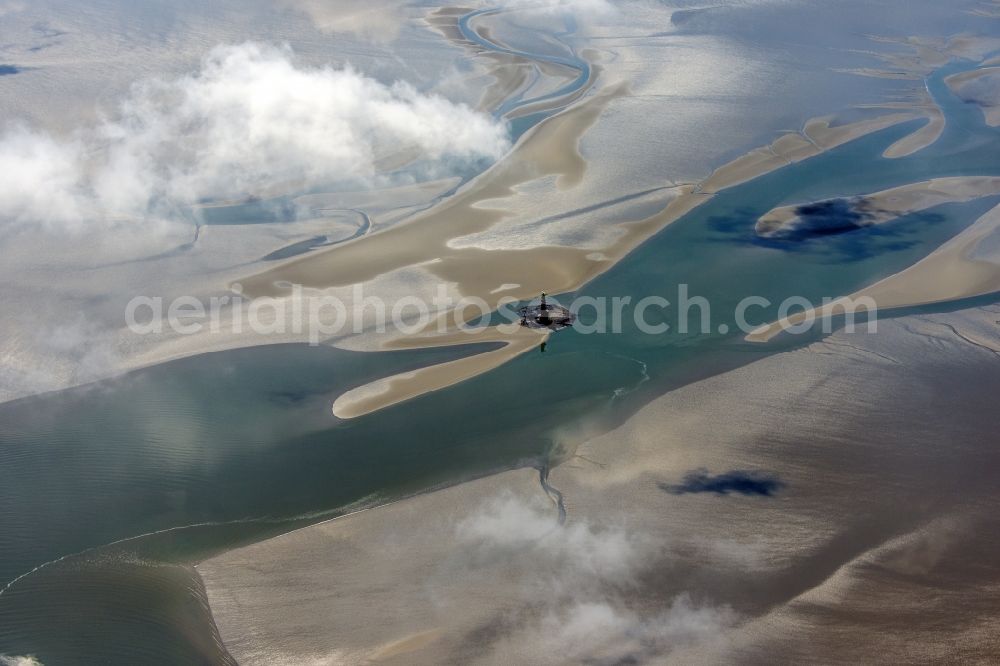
(963, 267)
(926, 135)
(881, 207)
(970, 86)
(816, 136)
(397, 388)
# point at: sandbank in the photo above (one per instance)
(964, 85)
(956, 270)
(881, 207)
(816, 136)
(397, 388)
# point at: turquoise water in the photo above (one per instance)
(210, 452)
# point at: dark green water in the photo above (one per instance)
(210, 452)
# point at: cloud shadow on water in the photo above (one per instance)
(827, 218)
(743, 482)
(832, 237)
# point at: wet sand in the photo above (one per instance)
(547, 151)
(420, 243)
(483, 573)
(342, 618)
(800, 572)
(509, 74)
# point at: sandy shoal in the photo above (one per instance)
(961, 83)
(444, 20)
(953, 271)
(509, 73)
(816, 137)
(549, 149)
(559, 269)
(924, 136)
(397, 388)
(887, 205)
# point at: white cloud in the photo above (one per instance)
(89, 347)
(589, 630)
(511, 524)
(41, 178)
(578, 583)
(249, 120)
(19, 661)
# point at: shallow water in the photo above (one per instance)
(210, 452)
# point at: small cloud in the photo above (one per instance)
(7, 70)
(606, 631)
(735, 481)
(509, 525)
(577, 586)
(27, 660)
